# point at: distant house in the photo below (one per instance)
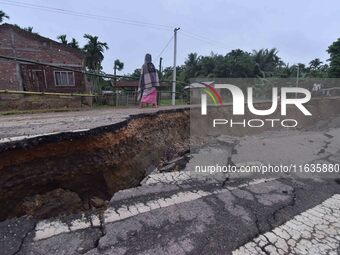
(23, 76)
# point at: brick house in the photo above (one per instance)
(23, 76)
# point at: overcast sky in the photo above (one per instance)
(300, 30)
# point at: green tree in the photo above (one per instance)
(266, 60)
(207, 66)
(3, 16)
(315, 64)
(334, 65)
(303, 70)
(94, 52)
(28, 29)
(136, 73)
(220, 66)
(117, 66)
(94, 55)
(62, 39)
(239, 64)
(74, 44)
(191, 65)
(316, 69)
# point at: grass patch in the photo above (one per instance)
(166, 102)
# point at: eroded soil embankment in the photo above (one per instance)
(63, 173)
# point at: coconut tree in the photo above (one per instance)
(266, 60)
(28, 29)
(315, 64)
(117, 66)
(3, 16)
(191, 65)
(62, 39)
(74, 44)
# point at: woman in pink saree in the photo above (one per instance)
(148, 83)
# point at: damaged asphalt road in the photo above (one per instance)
(30, 125)
(199, 213)
(189, 217)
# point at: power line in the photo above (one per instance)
(64, 11)
(165, 47)
(204, 39)
(90, 73)
(87, 15)
(112, 19)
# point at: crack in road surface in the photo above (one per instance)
(46, 228)
(315, 231)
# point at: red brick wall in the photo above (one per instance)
(22, 44)
(49, 81)
(8, 79)
(45, 51)
(5, 37)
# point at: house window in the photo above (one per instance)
(62, 78)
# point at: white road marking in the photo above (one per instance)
(95, 221)
(23, 137)
(171, 177)
(315, 231)
(183, 176)
(50, 228)
(46, 229)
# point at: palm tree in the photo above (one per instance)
(315, 64)
(191, 65)
(28, 29)
(62, 39)
(266, 60)
(94, 50)
(3, 16)
(74, 44)
(117, 66)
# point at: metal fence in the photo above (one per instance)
(25, 100)
(130, 98)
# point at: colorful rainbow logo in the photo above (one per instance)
(212, 92)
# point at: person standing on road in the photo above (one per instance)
(148, 83)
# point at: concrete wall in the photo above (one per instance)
(11, 102)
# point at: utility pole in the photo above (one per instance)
(160, 66)
(115, 82)
(174, 71)
(115, 74)
(297, 78)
